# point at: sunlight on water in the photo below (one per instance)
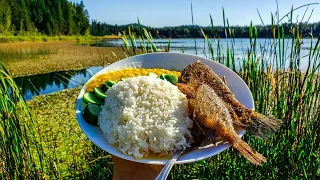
(240, 47)
(53, 82)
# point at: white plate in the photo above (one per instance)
(170, 61)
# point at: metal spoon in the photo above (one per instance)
(167, 168)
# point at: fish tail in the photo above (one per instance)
(260, 125)
(249, 153)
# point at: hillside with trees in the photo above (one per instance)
(49, 17)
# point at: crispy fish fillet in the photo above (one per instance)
(259, 125)
(213, 118)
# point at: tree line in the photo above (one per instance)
(61, 17)
(189, 31)
(50, 17)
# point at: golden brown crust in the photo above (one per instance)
(261, 126)
(213, 119)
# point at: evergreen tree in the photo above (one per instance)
(51, 17)
(5, 17)
(61, 17)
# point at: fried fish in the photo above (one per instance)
(212, 116)
(261, 126)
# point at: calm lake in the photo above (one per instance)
(199, 47)
(57, 81)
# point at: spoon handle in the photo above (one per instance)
(166, 169)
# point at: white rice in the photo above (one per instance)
(144, 115)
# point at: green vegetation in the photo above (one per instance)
(30, 19)
(43, 139)
(33, 17)
(194, 31)
(20, 151)
(13, 55)
(30, 58)
(71, 154)
(45, 38)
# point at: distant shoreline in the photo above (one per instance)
(211, 38)
(45, 38)
(12, 39)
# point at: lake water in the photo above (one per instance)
(57, 81)
(52, 82)
(241, 45)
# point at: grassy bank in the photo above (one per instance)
(10, 39)
(29, 58)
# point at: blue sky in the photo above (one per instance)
(177, 12)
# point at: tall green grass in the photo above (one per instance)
(280, 90)
(21, 156)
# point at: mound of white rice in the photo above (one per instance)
(144, 115)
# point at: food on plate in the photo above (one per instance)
(89, 97)
(259, 125)
(153, 74)
(96, 88)
(213, 118)
(122, 74)
(145, 112)
(215, 110)
(171, 78)
(91, 113)
(99, 93)
(162, 76)
(145, 115)
(110, 83)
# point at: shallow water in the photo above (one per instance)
(52, 82)
(240, 46)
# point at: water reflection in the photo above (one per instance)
(264, 48)
(52, 82)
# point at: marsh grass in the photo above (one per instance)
(30, 58)
(9, 39)
(16, 55)
(20, 151)
(73, 155)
